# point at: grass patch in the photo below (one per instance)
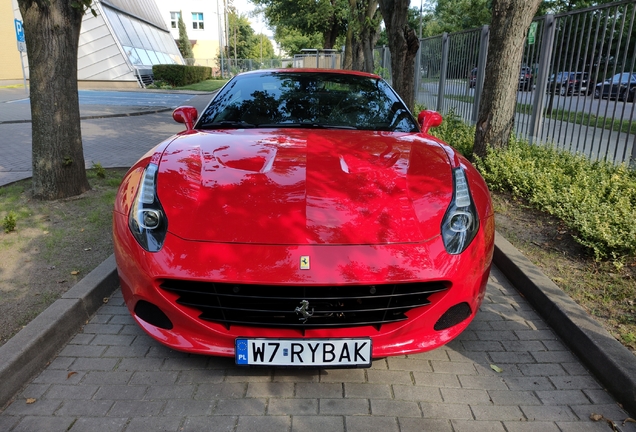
(49, 242)
(208, 85)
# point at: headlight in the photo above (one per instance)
(147, 221)
(461, 222)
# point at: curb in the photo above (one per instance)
(612, 364)
(93, 117)
(25, 355)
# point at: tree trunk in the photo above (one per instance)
(348, 53)
(510, 22)
(403, 44)
(52, 30)
(331, 34)
(358, 55)
(370, 33)
(350, 37)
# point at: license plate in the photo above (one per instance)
(304, 352)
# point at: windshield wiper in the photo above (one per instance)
(227, 124)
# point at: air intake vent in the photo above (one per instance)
(327, 306)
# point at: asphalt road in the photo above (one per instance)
(124, 98)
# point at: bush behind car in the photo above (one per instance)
(181, 75)
(596, 199)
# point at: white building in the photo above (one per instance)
(119, 46)
(205, 24)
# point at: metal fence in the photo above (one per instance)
(577, 80)
(228, 67)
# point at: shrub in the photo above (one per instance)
(181, 75)
(456, 133)
(158, 84)
(9, 222)
(595, 199)
(100, 171)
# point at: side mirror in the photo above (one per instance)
(187, 115)
(429, 119)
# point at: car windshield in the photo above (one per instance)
(307, 99)
(624, 77)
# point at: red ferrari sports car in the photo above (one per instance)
(305, 218)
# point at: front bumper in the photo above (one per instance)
(142, 272)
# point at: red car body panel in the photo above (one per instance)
(304, 187)
(215, 250)
(244, 206)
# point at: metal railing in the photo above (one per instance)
(566, 95)
(228, 67)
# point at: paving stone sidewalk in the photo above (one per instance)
(111, 141)
(112, 377)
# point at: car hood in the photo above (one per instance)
(304, 186)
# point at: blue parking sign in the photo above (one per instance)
(19, 30)
(19, 33)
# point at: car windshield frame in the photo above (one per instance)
(307, 99)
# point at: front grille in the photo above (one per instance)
(330, 306)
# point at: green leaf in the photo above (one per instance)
(496, 368)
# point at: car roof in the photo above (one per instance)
(312, 71)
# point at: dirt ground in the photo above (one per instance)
(55, 244)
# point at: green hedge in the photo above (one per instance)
(595, 199)
(181, 75)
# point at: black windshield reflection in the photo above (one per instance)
(308, 99)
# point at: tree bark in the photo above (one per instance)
(510, 22)
(52, 30)
(403, 45)
(370, 33)
(350, 37)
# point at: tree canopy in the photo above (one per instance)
(261, 48)
(456, 15)
(185, 47)
(292, 41)
(240, 36)
(308, 17)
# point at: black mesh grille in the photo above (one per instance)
(330, 306)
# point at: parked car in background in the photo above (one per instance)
(621, 86)
(306, 210)
(556, 80)
(569, 83)
(472, 78)
(525, 79)
(579, 84)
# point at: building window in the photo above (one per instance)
(174, 19)
(197, 20)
